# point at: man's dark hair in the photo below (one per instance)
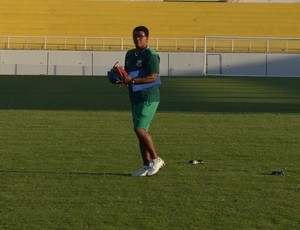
(142, 28)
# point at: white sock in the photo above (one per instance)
(155, 160)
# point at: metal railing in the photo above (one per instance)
(223, 44)
(96, 43)
(207, 44)
(216, 45)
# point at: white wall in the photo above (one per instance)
(97, 63)
(23, 62)
(256, 64)
(14, 62)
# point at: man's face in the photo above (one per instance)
(140, 40)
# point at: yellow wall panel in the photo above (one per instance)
(164, 19)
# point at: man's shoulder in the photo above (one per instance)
(130, 52)
(151, 51)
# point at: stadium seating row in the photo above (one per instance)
(165, 19)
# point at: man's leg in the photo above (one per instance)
(145, 154)
(146, 145)
(142, 117)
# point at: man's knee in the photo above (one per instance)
(140, 132)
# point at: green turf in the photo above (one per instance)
(67, 149)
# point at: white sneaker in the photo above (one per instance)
(142, 172)
(155, 166)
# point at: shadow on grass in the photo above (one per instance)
(64, 173)
(179, 94)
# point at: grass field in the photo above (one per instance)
(67, 149)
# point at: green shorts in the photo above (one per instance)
(143, 114)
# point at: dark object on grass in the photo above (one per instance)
(278, 173)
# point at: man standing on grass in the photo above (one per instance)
(142, 64)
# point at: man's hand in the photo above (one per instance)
(117, 75)
(127, 80)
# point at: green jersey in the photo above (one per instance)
(148, 60)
